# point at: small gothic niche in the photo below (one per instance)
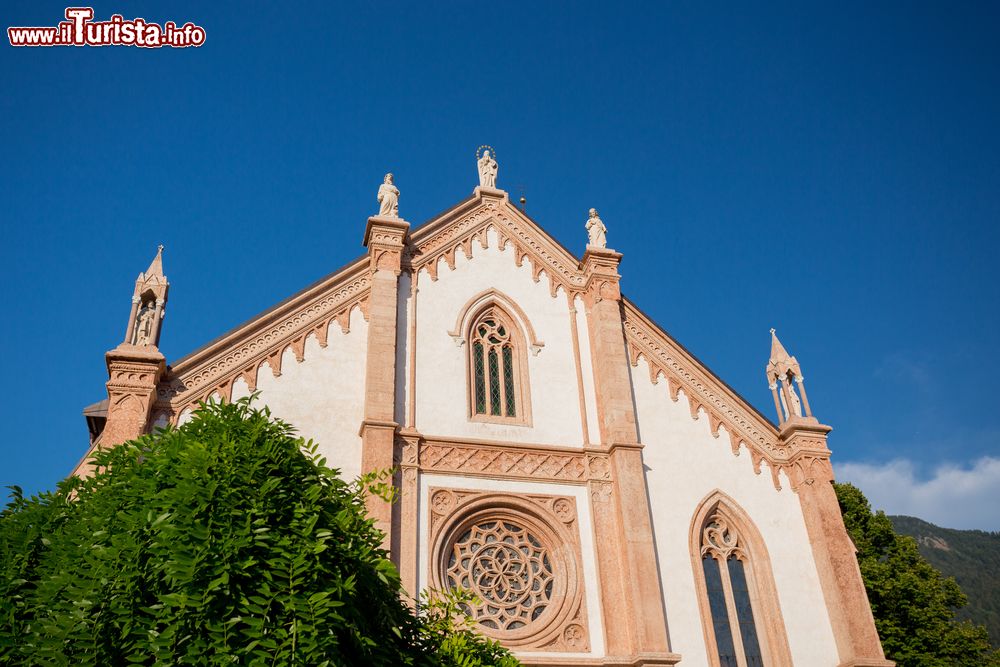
(148, 305)
(783, 373)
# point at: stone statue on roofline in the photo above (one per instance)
(388, 198)
(596, 231)
(487, 168)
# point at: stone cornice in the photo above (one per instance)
(388, 231)
(242, 351)
(471, 221)
(705, 392)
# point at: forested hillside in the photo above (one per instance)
(972, 557)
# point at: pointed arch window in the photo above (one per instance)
(497, 369)
(741, 616)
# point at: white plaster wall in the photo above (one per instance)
(441, 374)
(684, 464)
(583, 510)
(323, 395)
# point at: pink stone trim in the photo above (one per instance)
(263, 340)
(483, 300)
(553, 520)
(441, 238)
(491, 309)
(705, 393)
(768, 619)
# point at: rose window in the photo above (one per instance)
(507, 568)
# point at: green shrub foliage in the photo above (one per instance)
(913, 604)
(226, 541)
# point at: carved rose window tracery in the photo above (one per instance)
(507, 568)
(520, 558)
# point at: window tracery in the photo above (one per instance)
(740, 611)
(723, 559)
(497, 369)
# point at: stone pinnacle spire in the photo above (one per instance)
(156, 266)
(783, 373)
(781, 363)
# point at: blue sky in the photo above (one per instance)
(832, 170)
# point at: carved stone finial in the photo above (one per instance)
(388, 198)
(488, 167)
(780, 359)
(156, 266)
(596, 231)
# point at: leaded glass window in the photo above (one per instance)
(730, 604)
(744, 612)
(720, 614)
(494, 367)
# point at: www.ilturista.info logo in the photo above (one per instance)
(80, 30)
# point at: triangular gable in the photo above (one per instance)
(704, 390)
(472, 220)
(265, 338)
(213, 368)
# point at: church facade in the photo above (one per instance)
(608, 499)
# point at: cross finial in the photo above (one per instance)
(156, 266)
(772, 331)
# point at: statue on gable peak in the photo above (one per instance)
(487, 167)
(596, 231)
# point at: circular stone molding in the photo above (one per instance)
(518, 558)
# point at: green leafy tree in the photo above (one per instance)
(224, 542)
(914, 605)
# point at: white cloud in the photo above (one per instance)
(952, 496)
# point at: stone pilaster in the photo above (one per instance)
(133, 373)
(631, 600)
(616, 415)
(385, 238)
(857, 639)
(134, 367)
(405, 518)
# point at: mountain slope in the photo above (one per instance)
(971, 556)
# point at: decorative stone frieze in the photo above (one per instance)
(471, 221)
(504, 461)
